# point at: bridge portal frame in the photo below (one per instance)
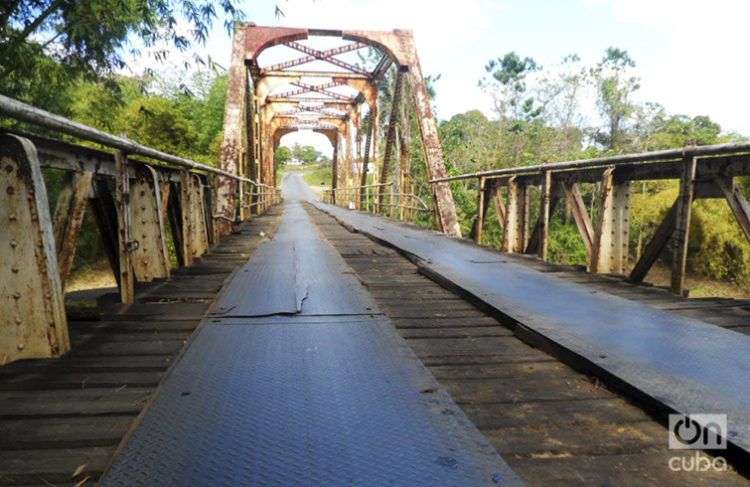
(245, 147)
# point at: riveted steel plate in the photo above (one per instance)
(683, 364)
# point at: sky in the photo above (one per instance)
(691, 55)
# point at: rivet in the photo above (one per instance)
(18, 321)
(20, 346)
(12, 217)
(16, 295)
(10, 190)
(13, 244)
(14, 270)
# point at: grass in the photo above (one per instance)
(699, 286)
(95, 276)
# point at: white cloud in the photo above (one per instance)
(701, 63)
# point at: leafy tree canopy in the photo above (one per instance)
(92, 37)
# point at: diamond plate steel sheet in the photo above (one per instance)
(322, 391)
(298, 272)
(316, 404)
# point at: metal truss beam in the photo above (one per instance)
(312, 55)
(323, 56)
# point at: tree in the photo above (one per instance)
(305, 153)
(282, 155)
(507, 84)
(90, 37)
(615, 86)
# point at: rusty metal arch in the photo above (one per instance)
(248, 145)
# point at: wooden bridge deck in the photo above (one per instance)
(61, 419)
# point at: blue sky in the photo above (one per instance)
(691, 55)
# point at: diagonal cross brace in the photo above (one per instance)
(326, 55)
(322, 89)
(329, 58)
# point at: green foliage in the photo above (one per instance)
(717, 248)
(305, 153)
(91, 37)
(282, 155)
(160, 123)
(615, 86)
(566, 245)
(540, 119)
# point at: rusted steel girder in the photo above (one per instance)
(33, 323)
(330, 59)
(326, 55)
(235, 144)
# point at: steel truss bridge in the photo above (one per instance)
(263, 334)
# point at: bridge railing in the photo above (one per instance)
(141, 199)
(383, 199)
(702, 172)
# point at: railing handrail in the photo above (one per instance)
(36, 116)
(349, 188)
(597, 162)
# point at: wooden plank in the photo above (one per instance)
(52, 466)
(49, 433)
(75, 402)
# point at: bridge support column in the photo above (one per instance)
(366, 163)
(682, 224)
(610, 246)
(69, 211)
(446, 208)
(125, 243)
(390, 140)
(545, 212)
(33, 323)
(192, 215)
(517, 221)
(150, 257)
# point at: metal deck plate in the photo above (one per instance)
(684, 364)
(298, 272)
(316, 404)
(309, 399)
